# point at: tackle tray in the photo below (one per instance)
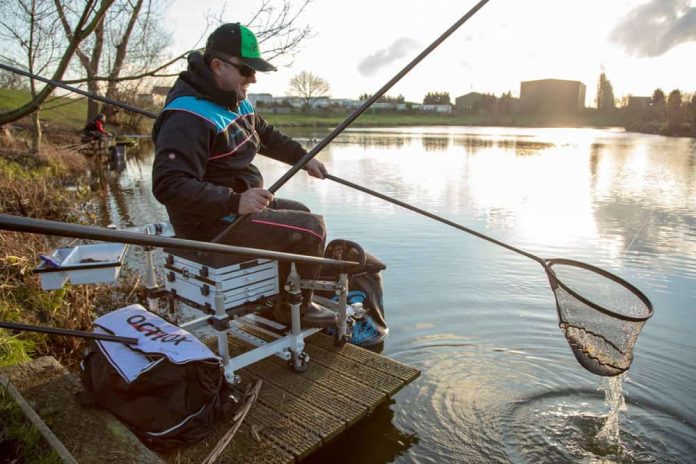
(197, 278)
(82, 264)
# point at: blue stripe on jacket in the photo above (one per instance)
(218, 115)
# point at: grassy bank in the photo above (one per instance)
(36, 186)
(67, 112)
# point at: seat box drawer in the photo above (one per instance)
(238, 286)
(225, 274)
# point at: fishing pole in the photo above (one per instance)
(68, 333)
(360, 110)
(85, 93)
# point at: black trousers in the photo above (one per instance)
(286, 225)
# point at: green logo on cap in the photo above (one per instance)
(250, 46)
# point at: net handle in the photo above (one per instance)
(556, 281)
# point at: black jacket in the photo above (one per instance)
(201, 168)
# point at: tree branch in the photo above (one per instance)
(80, 34)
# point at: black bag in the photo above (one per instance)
(169, 406)
(166, 404)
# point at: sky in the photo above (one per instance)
(358, 45)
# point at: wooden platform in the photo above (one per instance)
(296, 414)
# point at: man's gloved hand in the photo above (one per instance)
(316, 168)
(254, 201)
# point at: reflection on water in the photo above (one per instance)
(499, 383)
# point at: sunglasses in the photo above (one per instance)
(244, 70)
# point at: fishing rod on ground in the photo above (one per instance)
(68, 333)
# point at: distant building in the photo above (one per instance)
(320, 102)
(443, 108)
(469, 102)
(266, 99)
(346, 102)
(552, 96)
(159, 95)
(639, 103)
(145, 99)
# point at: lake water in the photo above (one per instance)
(499, 382)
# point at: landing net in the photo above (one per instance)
(600, 314)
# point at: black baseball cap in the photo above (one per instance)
(233, 39)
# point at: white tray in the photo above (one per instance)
(83, 264)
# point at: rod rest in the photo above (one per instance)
(348, 250)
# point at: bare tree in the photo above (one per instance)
(308, 86)
(128, 44)
(90, 16)
(9, 80)
(90, 63)
(28, 24)
(134, 42)
(129, 41)
(277, 27)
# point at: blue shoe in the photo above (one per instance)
(366, 332)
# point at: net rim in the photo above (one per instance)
(641, 296)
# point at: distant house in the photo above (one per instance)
(146, 100)
(320, 102)
(552, 96)
(345, 102)
(159, 95)
(266, 99)
(299, 102)
(384, 105)
(442, 108)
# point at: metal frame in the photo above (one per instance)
(289, 347)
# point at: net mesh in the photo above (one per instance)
(600, 314)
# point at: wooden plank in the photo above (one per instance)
(367, 358)
(287, 434)
(343, 383)
(275, 372)
(355, 370)
(324, 424)
(243, 449)
(347, 375)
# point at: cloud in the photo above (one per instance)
(655, 27)
(372, 63)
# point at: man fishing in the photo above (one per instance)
(94, 129)
(206, 139)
